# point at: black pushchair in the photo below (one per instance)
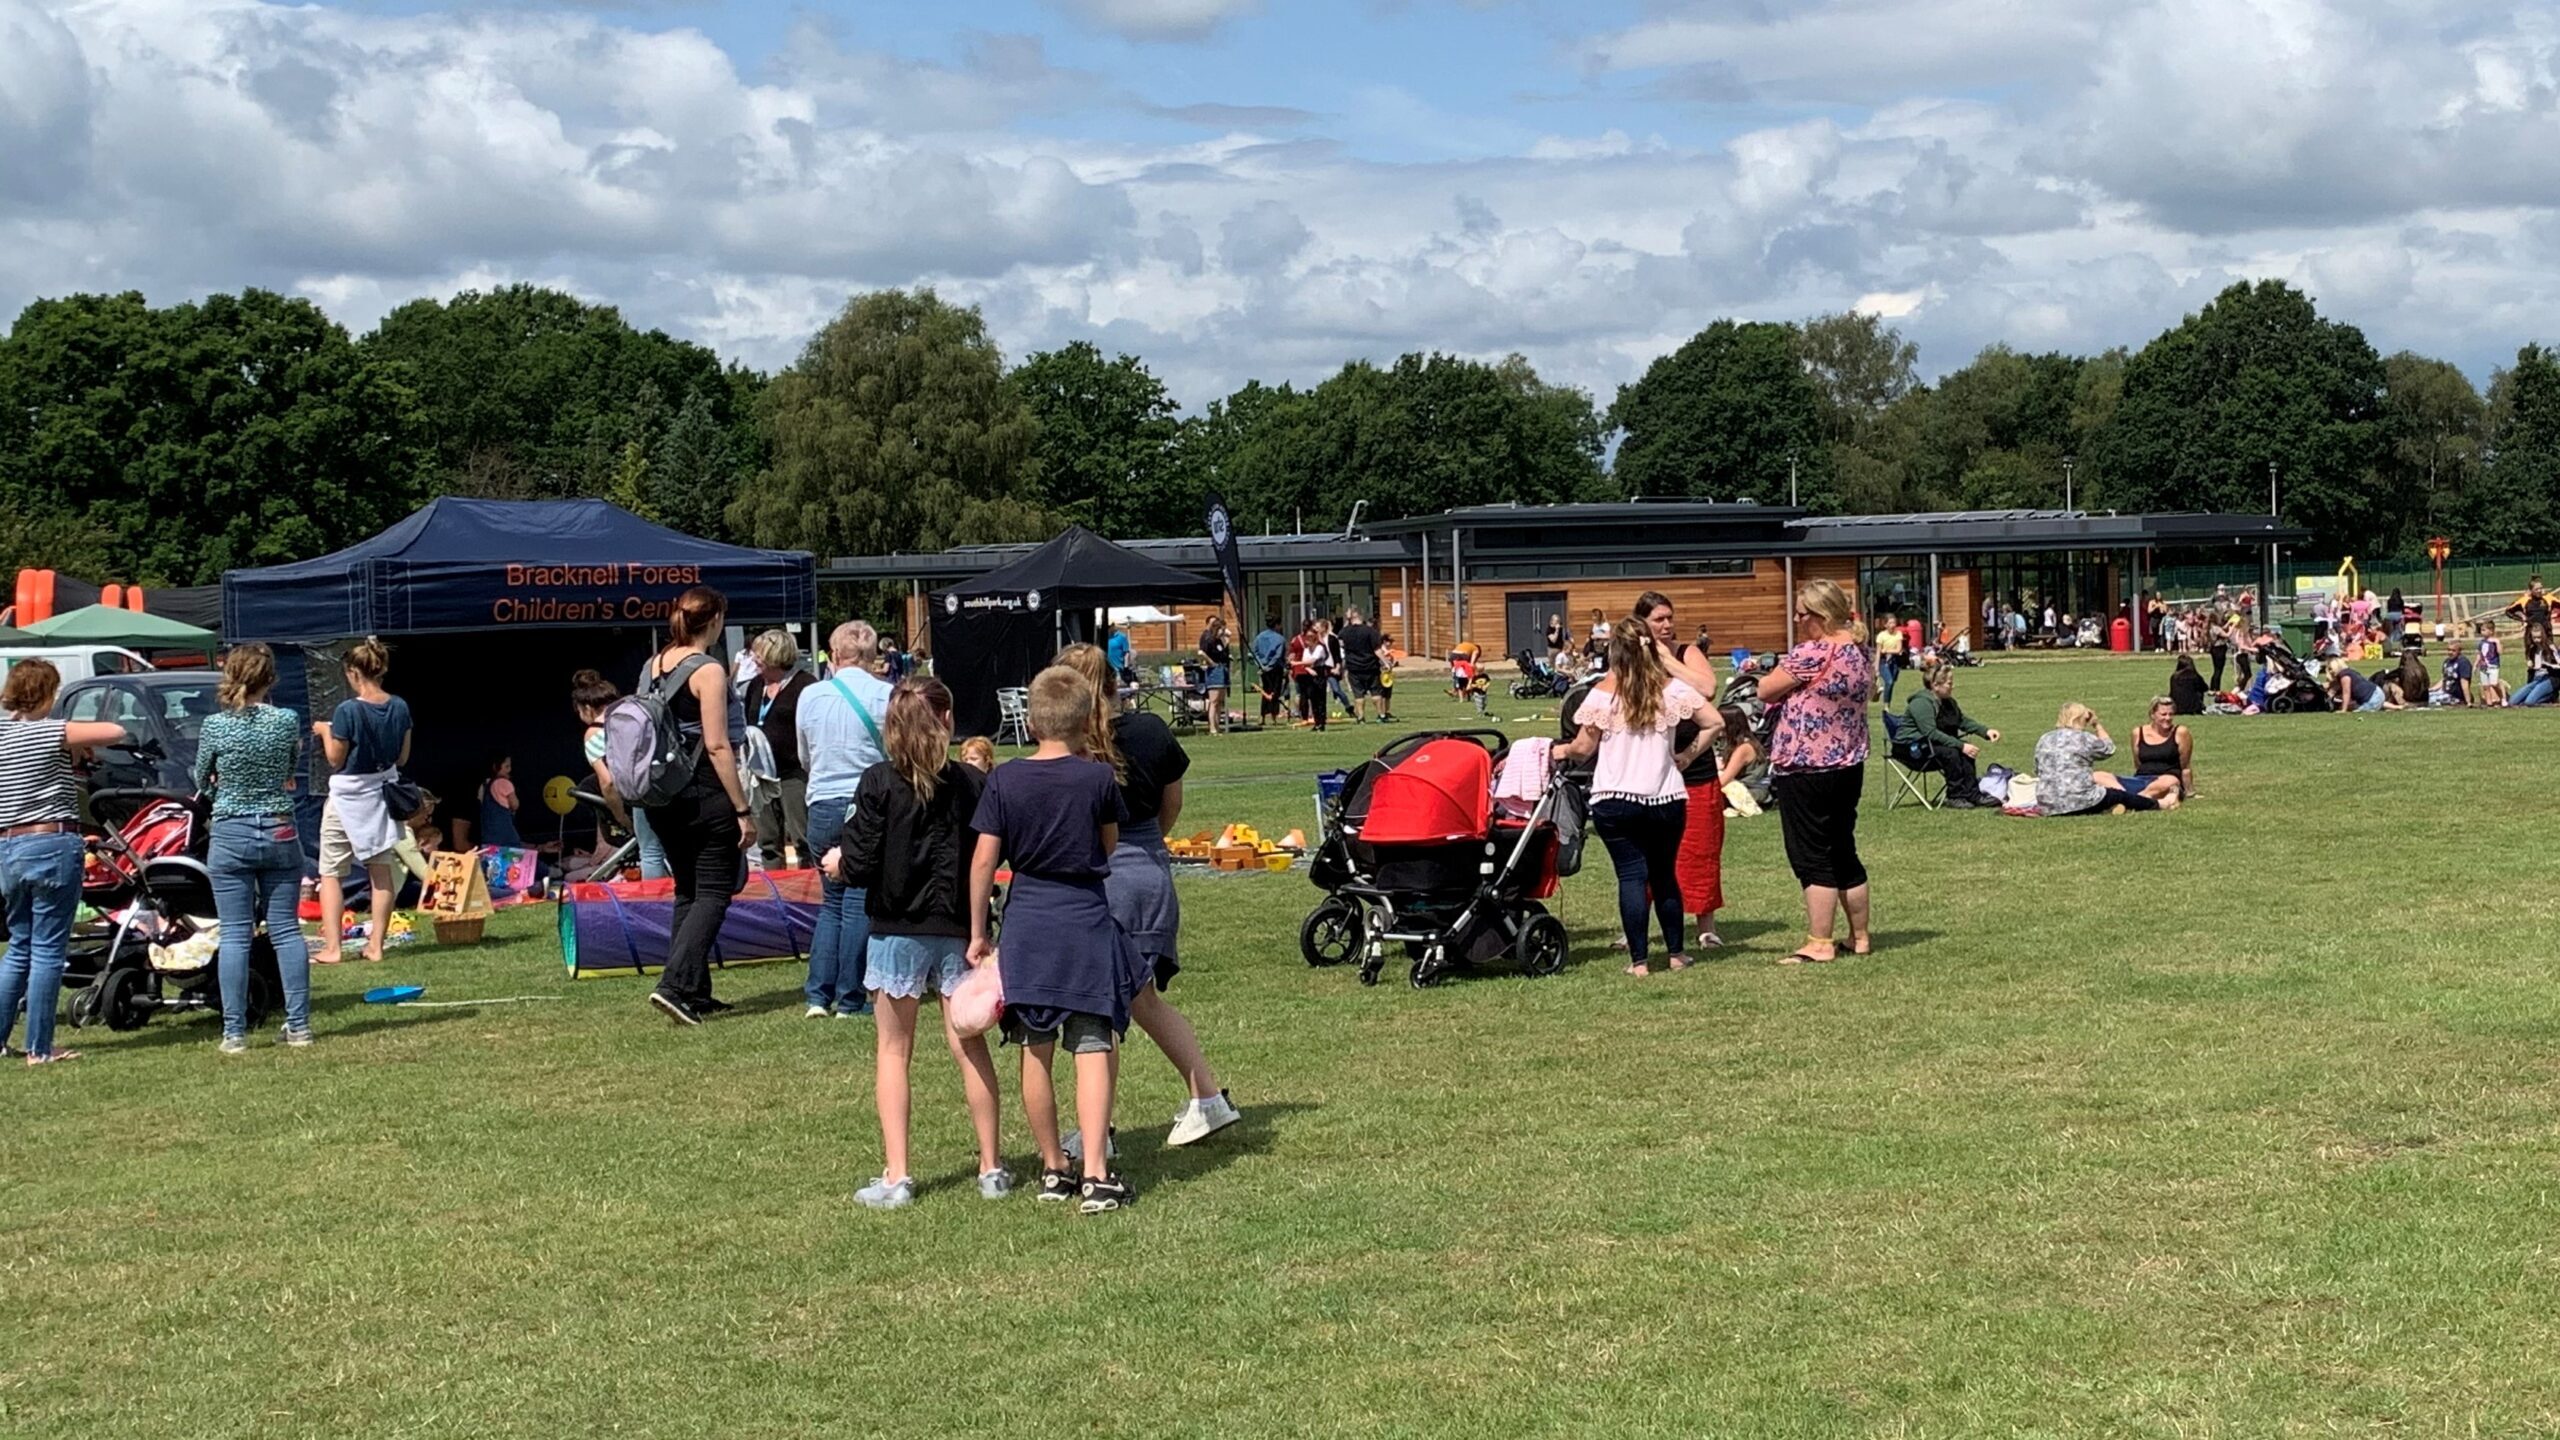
(1538, 679)
(151, 955)
(2291, 686)
(1414, 854)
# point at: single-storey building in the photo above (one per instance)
(1494, 574)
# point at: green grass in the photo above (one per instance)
(2235, 1122)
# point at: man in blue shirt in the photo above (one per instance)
(1115, 648)
(839, 725)
(1270, 650)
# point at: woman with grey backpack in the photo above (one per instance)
(705, 825)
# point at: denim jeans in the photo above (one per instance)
(653, 856)
(840, 942)
(1888, 674)
(1644, 846)
(257, 874)
(40, 880)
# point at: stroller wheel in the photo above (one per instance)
(1429, 970)
(1541, 945)
(117, 999)
(1333, 933)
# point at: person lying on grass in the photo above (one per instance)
(2067, 782)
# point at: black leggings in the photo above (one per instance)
(2221, 656)
(1311, 697)
(2133, 801)
(1644, 845)
(700, 834)
(1818, 818)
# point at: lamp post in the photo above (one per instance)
(2066, 484)
(1791, 479)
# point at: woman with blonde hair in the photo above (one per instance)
(1818, 766)
(245, 758)
(907, 848)
(40, 848)
(1150, 764)
(2067, 782)
(1639, 802)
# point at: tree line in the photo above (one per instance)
(167, 444)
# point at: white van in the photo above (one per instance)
(77, 662)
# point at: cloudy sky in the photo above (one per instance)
(1237, 188)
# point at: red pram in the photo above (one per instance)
(1414, 853)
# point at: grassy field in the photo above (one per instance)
(2241, 1121)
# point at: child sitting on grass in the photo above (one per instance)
(1068, 971)
(907, 848)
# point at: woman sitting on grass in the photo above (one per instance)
(2067, 782)
(2164, 747)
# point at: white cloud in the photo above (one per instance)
(1162, 19)
(2396, 160)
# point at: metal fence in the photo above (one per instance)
(2486, 575)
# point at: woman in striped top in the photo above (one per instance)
(246, 758)
(40, 849)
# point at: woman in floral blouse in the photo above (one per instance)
(1818, 766)
(246, 757)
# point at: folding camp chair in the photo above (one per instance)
(1911, 764)
(1013, 716)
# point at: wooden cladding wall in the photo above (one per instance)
(1736, 609)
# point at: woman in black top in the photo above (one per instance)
(2186, 687)
(1216, 658)
(1140, 749)
(2164, 747)
(707, 827)
(907, 847)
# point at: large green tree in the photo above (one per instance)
(1860, 364)
(2255, 378)
(895, 430)
(532, 392)
(168, 445)
(2515, 505)
(2434, 424)
(1724, 417)
(1107, 430)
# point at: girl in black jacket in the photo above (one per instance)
(907, 848)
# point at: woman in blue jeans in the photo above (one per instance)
(1639, 801)
(839, 732)
(245, 758)
(40, 849)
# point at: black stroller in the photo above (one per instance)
(1538, 679)
(1414, 853)
(2291, 686)
(148, 956)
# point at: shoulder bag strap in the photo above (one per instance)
(867, 722)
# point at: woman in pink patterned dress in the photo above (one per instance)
(1818, 766)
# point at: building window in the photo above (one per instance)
(1601, 569)
(1709, 567)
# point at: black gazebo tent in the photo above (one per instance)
(999, 629)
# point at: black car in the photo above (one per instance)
(162, 713)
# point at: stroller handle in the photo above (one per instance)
(121, 794)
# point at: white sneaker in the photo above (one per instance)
(885, 1194)
(995, 1184)
(1201, 1119)
(1074, 1145)
(816, 1012)
(234, 1045)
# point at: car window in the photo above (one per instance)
(89, 704)
(183, 709)
(113, 662)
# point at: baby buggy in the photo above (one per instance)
(1467, 680)
(1538, 679)
(155, 949)
(2291, 687)
(1414, 854)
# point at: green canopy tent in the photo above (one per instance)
(133, 629)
